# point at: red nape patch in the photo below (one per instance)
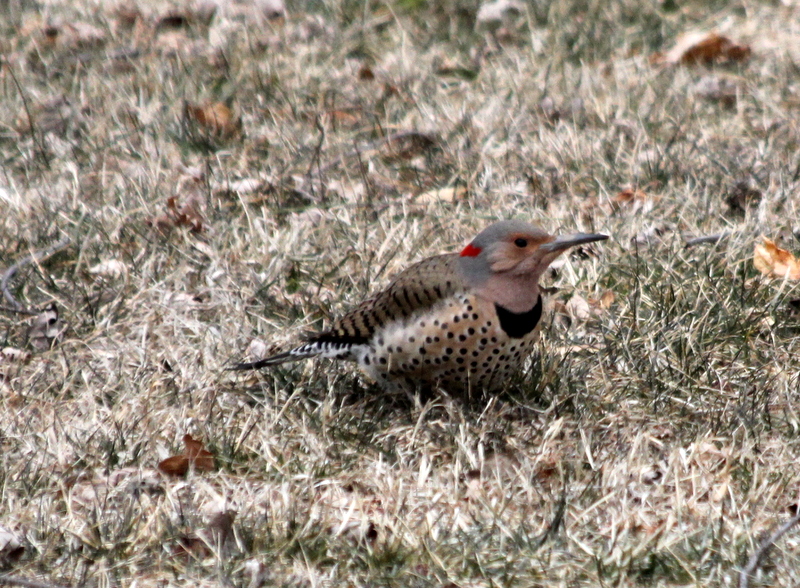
(471, 251)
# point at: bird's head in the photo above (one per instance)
(507, 259)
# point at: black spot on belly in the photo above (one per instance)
(517, 325)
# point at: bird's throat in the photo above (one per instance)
(517, 325)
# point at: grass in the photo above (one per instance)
(652, 444)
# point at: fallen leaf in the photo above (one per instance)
(706, 48)
(633, 199)
(603, 303)
(578, 308)
(194, 454)
(775, 262)
(202, 459)
(452, 194)
(186, 213)
(607, 299)
(629, 196)
(215, 118)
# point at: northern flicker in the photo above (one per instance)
(459, 321)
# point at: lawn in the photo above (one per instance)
(192, 184)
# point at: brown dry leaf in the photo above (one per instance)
(706, 48)
(215, 118)
(196, 453)
(598, 305)
(634, 200)
(775, 262)
(193, 454)
(188, 213)
(176, 465)
(629, 196)
(607, 299)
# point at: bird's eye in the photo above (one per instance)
(521, 243)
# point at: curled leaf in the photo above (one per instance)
(706, 48)
(775, 262)
(194, 454)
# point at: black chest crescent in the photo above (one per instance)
(516, 325)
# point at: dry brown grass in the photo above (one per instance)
(660, 435)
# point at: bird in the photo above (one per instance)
(459, 322)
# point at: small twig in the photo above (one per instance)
(35, 257)
(706, 239)
(17, 581)
(763, 549)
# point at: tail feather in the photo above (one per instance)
(298, 353)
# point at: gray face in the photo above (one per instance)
(514, 248)
(477, 258)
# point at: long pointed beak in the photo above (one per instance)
(566, 241)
